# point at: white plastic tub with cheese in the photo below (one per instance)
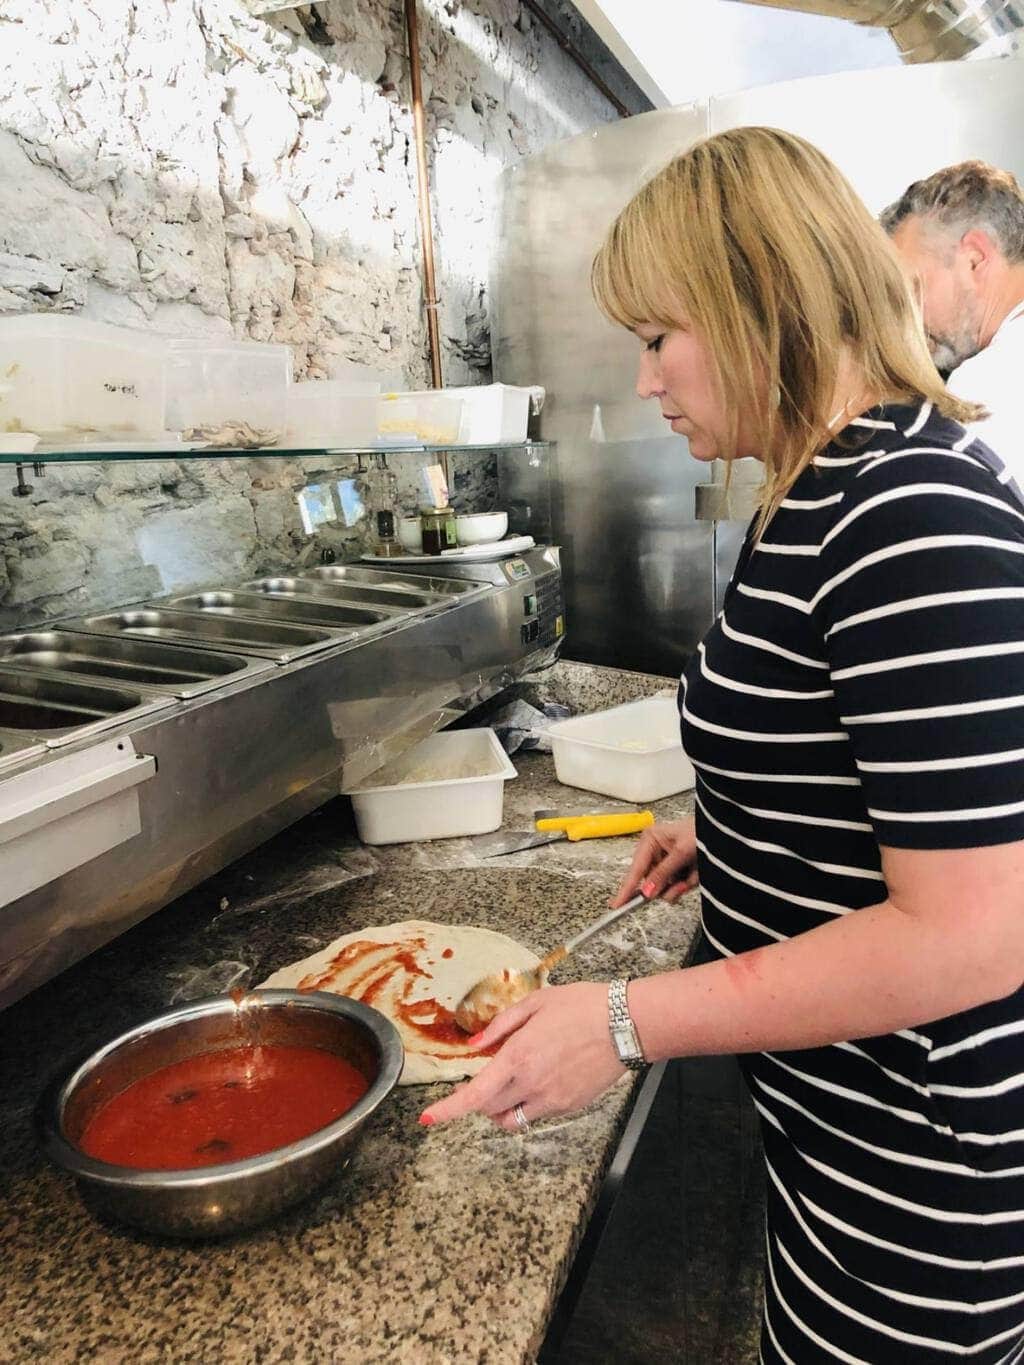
(632, 752)
(451, 783)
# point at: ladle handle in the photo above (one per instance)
(572, 943)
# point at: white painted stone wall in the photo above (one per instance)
(182, 166)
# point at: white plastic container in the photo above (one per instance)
(451, 783)
(68, 378)
(332, 412)
(496, 414)
(431, 416)
(631, 751)
(215, 384)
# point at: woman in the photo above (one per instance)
(856, 719)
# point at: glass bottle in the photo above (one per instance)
(437, 525)
(387, 542)
(380, 487)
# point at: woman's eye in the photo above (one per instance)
(655, 343)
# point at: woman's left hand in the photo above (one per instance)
(556, 1056)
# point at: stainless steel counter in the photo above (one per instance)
(356, 680)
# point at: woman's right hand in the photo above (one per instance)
(665, 861)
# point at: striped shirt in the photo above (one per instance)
(863, 686)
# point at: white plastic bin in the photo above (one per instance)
(631, 751)
(68, 378)
(496, 414)
(332, 412)
(451, 783)
(215, 384)
(432, 416)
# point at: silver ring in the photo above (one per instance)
(522, 1122)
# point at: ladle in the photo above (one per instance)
(495, 993)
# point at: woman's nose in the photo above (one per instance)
(648, 381)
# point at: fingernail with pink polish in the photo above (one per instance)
(477, 1038)
(426, 1120)
(649, 888)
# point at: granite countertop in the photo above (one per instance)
(442, 1245)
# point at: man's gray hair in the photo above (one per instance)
(972, 194)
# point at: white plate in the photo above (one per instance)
(498, 549)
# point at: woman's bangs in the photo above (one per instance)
(627, 282)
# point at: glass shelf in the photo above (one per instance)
(103, 454)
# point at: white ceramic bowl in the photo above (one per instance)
(480, 528)
(410, 534)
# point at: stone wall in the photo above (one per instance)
(183, 166)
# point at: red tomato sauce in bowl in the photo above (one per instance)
(223, 1106)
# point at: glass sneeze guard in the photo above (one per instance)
(106, 452)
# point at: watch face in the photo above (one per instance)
(624, 1044)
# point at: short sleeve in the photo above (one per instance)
(921, 605)
(992, 378)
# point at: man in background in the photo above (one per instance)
(961, 235)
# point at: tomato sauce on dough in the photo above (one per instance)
(428, 1023)
(223, 1106)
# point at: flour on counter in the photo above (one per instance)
(196, 983)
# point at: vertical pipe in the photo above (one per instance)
(412, 30)
(423, 195)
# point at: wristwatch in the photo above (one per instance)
(622, 1028)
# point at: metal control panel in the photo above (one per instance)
(540, 605)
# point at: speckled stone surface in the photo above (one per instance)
(591, 687)
(441, 1245)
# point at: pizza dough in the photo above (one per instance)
(415, 973)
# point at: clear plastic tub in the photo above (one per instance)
(631, 751)
(66, 378)
(451, 783)
(432, 416)
(332, 412)
(496, 414)
(215, 385)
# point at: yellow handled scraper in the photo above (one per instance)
(551, 829)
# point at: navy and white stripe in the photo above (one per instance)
(864, 687)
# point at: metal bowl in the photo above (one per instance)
(212, 1201)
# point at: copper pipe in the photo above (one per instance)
(423, 195)
(565, 43)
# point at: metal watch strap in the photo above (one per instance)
(622, 1028)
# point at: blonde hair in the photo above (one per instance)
(755, 239)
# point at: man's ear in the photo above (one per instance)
(980, 249)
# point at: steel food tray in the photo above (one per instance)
(310, 588)
(335, 616)
(170, 669)
(388, 578)
(213, 630)
(58, 710)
